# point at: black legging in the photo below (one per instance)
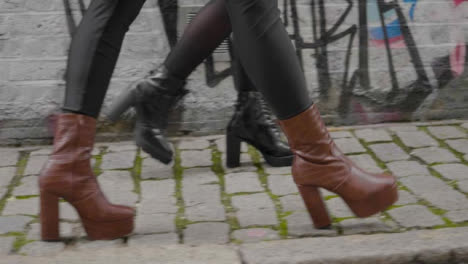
(258, 32)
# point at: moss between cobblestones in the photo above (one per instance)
(400, 143)
(16, 181)
(263, 177)
(369, 151)
(442, 144)
(20, 241)
(136, 173)
(180, 221)
(97, 165)
(218, 170)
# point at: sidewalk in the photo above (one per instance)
(198, 211)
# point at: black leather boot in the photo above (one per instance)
(252, 123)
(153, 98)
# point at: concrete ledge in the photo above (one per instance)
(442, 246)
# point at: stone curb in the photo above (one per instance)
(442, 246)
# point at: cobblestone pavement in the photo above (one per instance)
(197, 200)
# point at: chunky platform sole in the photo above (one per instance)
(363, 208)
(49, 219)
(233, 150)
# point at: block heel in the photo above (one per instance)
(233, 149)
(49, 216)
(315, 206)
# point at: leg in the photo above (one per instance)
(268, 56)
(68, 174)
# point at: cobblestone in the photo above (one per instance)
(417, 139)
(153, 240)
(300, 224)
(6, 175)
(34, 232)
(407, 168)
(389, 152)
(292, 203)
(282, 184)
(13, 223)
(366, 162)
(349, 145)
(341, 134)
(338, 208)
(398, 128)
(194, 158)
(203, 203)
(457, 216)
(277, 170)
(242, 182)
(373, 135)
(153, 169)
(6, 245)
(157, 198)
(415, 216)
(118, 187)
(41, 249)
(22, 206)
(434, 154)
(460, 145)
(446, 132)
(405, 198)
(67, 212)
(252, 235)
(194, 144)
(254, 209)
(463, 186)
(206, 233)
(122, 147)
(155, 223)
(364, 226)
(89, 245)
(35, 164)
(9, 157)
(456, 171)
(464, 125)
(118, 160)
(436, 192)
(42, 152)
(29, 186)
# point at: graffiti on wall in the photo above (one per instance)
(383, 65)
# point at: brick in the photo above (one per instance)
(29, 186)
(37, 24)
(366, 162)
(373, 135)
(153, 240)
(364, 226)
(415, 216)
(389, 152)
(242, 182)
(22, 206)
(6, 245)
(13, 223)
(349, 145)
(452, 171)
(407, 168)
(153, 169)
(253, 235)
(206, 233)
(433, 155)
(34, 70)
(118, 160)
(254, 209)
(300, 224)
(417, 139)
(42, 249)
(282, 184)
(436, 192)
(11, 5)
(460, 145)
(446, 132)
(194, 158)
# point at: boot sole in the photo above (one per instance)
(155, 153)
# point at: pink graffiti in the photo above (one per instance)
(457, 59)
(459, 2)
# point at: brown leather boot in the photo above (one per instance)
(319, 163)
(68, 175)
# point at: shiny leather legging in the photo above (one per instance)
(261, 42)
